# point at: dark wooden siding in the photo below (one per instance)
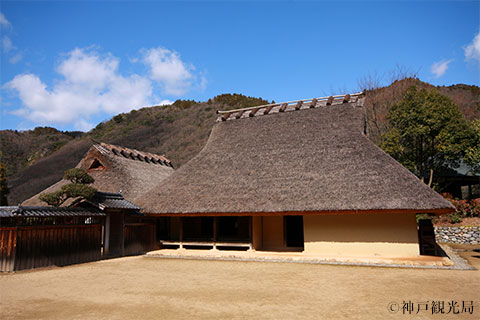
(116, 234)
(8, 243)
(40, 246)
(139, 238)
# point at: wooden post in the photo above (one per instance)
(181, 232)
(106, 241)
(123, 233)
(250, 233)
(215, 224)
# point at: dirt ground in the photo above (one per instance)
(154, 288)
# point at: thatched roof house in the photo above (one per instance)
(118, 169)
(310, 159)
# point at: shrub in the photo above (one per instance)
(464, 208)
(455, 218)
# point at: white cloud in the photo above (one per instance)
(7, 44)
(174, 76)
(83, 125)
(16, 58)
(164, 103)
(440, 67)
(472, 51)
(91, 84)
(3, 21)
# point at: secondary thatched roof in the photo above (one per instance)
(303, 158)
(117, 169)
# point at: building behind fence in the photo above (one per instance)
(34, 237)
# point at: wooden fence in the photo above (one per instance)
(139, 238)
(40, 246)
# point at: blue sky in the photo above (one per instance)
(71, 65)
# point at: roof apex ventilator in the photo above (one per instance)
(282, 106)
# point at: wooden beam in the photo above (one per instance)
(299, 105)
(239, 114)
(439, 211)
(252, 113)
(346, 99)
(329, 101)
(314, 103)
(283, 107)
(181, 232)
(226, 116)
(268, 109)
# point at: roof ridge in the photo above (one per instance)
(135, 154)
(355, 99)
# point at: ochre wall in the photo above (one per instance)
(361, 235)
(272, 229)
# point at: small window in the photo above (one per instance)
(96, 165)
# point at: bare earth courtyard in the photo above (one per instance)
(154, 288)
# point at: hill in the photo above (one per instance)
(178, 131)
(37, 160)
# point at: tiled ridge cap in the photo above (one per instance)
(355, 98)
(133, 154)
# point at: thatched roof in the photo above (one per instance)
(296, 158)
(118, 170)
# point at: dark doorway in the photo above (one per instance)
(163, 228)
(198, 228)
(426, 238)
(234, 229)
(294, 231)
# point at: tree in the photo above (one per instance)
(79, 187)
(4, 191)
(427, 132)
(472, 153)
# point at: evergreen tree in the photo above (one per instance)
(79, 187)
(427, 133)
